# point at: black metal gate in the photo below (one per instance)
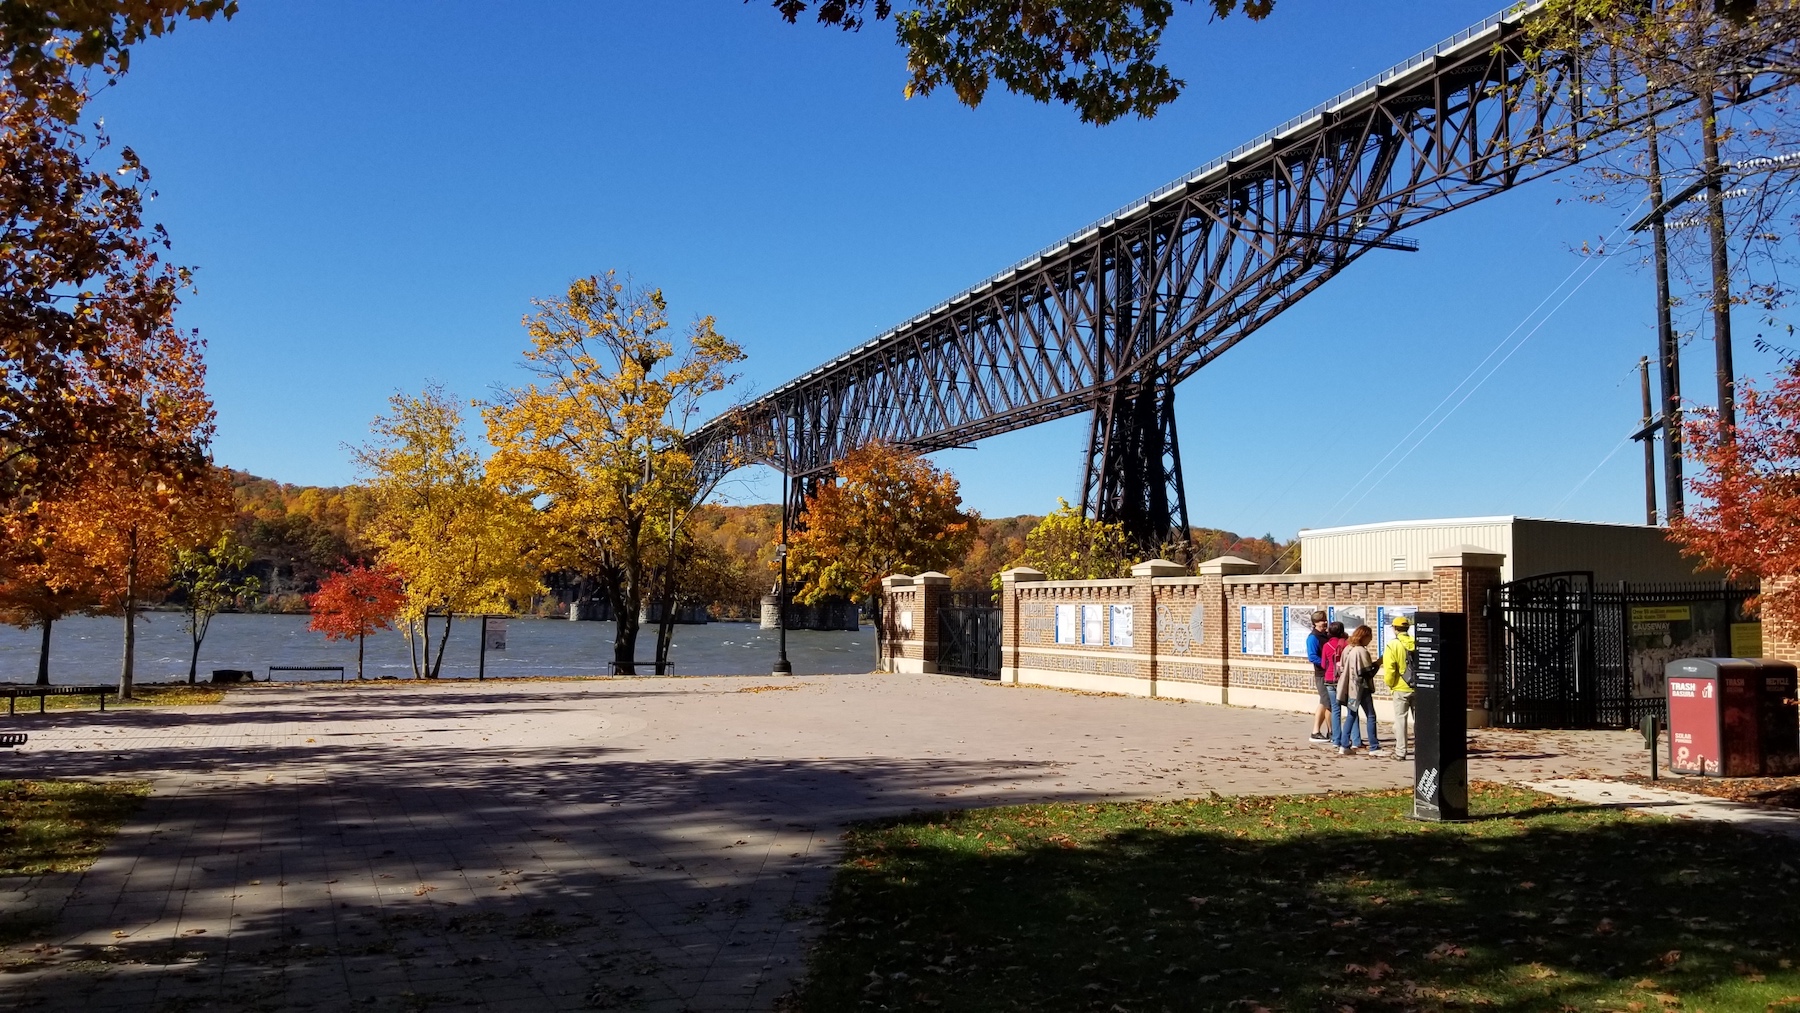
(969, 634)
(1542, 637)
(1569, 653)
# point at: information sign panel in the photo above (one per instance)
(1441, 698)
(1256, 635)
(1296, 626)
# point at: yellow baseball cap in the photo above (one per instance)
(1401, 622)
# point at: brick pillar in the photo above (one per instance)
(1143, 610)
(1460, 580)
(1010, 624)
(933, 586)
(1781, 638)
(1219, 623)
(896, 597)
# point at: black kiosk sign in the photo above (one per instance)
(1440, 702)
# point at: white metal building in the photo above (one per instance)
(1614, 552)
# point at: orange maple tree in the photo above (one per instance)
(47, 573)
(1748, 523)
(355, 602)
(890, 511)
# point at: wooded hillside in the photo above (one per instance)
(297, 534)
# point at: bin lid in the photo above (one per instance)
(1712, 668)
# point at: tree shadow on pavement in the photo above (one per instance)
(566, 877)
(1307, 904)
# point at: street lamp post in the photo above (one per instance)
(782, 667)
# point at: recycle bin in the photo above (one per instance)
(1779, 719)
(1732, 717)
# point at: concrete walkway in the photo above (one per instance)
(653, 844)
(1676, 804)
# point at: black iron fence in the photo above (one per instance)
(969, 634)
(1568, 652)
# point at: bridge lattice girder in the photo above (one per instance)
(1157, 291)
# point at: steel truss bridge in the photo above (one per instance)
(1113, 318)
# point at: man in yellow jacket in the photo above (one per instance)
(1397, 666)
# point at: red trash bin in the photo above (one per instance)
(1732, 717)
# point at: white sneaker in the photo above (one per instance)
(1343, 752)
(1377, 751)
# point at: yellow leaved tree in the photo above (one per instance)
(462, 542)
(599, 438)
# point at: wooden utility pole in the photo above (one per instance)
(1721, 258)
(1649, 445)
(1668, 349)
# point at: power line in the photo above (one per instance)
(1415, 444)
(1591, 474)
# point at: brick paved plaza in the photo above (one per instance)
(647, 844)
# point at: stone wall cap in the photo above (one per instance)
(1379, 576)
(897, 580)
(1021, 574)
(1158, 568)
(1228, 565)
(931, 577)
(1466, 556)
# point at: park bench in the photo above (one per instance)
(13, 693)
(339, 669)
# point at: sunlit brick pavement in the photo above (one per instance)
(649, 844)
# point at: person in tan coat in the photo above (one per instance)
(1356, 680)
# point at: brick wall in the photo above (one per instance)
(1163, 633)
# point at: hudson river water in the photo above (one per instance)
(87, 650)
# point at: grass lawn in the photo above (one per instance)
(144, 695)
(1308, 903)
(61, 826)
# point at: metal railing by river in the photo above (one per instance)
(86, 650)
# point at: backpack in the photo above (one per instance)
(1411, 668)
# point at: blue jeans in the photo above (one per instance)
(1350, 726)
(1343, 723)
(1336, 718)
(1367, 702)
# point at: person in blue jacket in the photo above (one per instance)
(1315, 653)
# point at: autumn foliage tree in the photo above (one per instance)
(355, 602)
(461, 541)
(83, 287)
(889, 511)
(49, 574)
(1748, 522)
(598, 438)
(103, 415)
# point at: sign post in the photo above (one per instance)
(493, 636)
(1441, 700)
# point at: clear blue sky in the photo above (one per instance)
(373, 191)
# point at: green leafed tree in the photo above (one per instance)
(1069, 545)
(210, 579)
(1102, 57)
